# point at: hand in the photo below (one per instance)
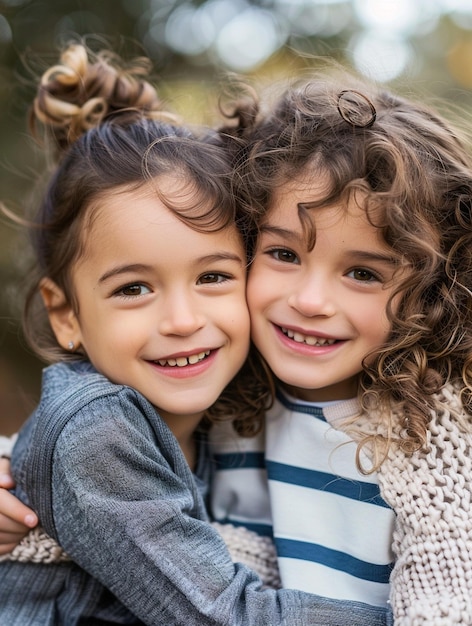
(16, 519)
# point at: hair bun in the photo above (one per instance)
(80, 91)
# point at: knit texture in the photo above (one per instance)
(430, 492)
(37, 547)
(253, 550)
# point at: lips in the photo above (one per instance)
(309, 340)
(183, 361)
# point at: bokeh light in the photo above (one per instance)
(189, 30)
(5, 30)
(248, 39)
(381, 58)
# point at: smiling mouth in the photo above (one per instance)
(183, 361)
(310, 340)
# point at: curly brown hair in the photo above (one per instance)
(414, 169)
(105, 127)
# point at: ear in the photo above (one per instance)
(62, 318)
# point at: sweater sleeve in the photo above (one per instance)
(127, 512)
(430, 492)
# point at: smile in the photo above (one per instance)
(310, 340)
(183, 361)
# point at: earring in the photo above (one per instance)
(70, 345)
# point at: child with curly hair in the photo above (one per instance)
(360, 297)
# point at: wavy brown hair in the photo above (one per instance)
(414, 174)
(103, 124)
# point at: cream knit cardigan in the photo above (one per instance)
(430, 492)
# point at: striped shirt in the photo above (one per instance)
(332, 529)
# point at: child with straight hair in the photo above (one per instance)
(360, 296)
(141, 271)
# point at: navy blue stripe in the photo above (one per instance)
(299, 407)
(240, 460)
(265, 530)
(333, 559)
(347, 487)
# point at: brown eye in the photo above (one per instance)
(212, 277)
(133, 290)
(283, 255)
(363, 275)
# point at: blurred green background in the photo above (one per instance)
(422, 47)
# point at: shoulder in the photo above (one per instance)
(72, 388)
(75, 379)
(449, 398)
(80, 407)
(449, 444)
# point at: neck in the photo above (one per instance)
(334, 393)
(183, 427)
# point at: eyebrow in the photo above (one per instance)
(141, 267)
(124, 269)
(281, 232)
(362, 255)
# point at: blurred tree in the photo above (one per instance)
(420, 46)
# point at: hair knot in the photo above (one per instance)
(356, 109)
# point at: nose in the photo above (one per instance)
(313, 295)
(180, 315)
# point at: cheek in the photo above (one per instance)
(251, 302)
(230, 313)
(113, 332)
(240, 321)
(375, 323)
(258, 291)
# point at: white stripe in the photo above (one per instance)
(335, 522)
(306, 441)
(304, 575)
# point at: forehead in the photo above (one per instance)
(311, 184)
(298, 210)
(147, 213)
(307, 194)
(178, 194)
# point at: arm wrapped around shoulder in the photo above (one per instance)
(244, 546)
(253, 550)
(430, 492)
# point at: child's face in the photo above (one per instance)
(161, 307)
(316, 314)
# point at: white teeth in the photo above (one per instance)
(182, 361)
(308, 339)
